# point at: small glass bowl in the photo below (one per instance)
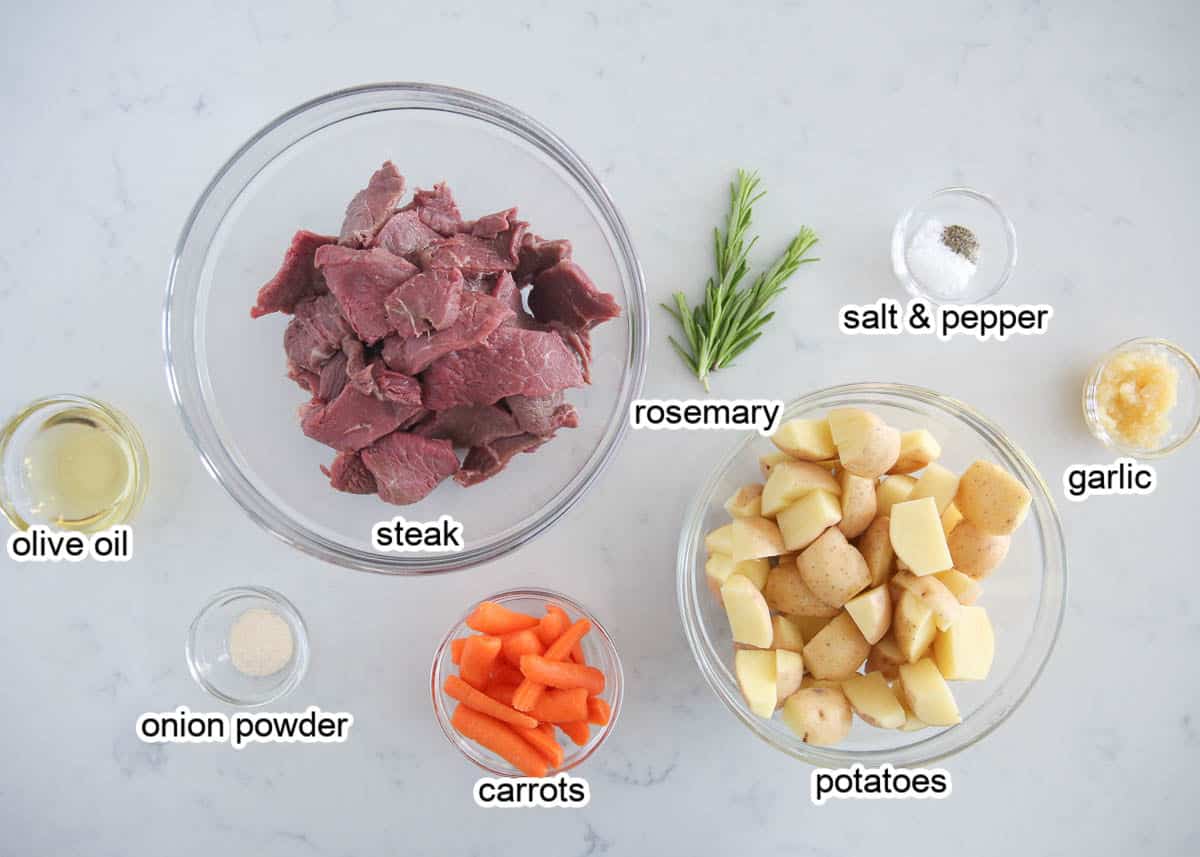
(979, 213)
(18, 504)
(1025, 598)
(208, 655)
(1185, 416)
(598, 648)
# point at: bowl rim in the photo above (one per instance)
(178, 334)
(1031, 662)
(614, 682)
(291, 615)
(900, 247)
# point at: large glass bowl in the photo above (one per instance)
(227, 372)
(1025, 597)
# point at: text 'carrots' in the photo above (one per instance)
(520, 678)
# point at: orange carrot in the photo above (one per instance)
(577, 730)
(496, 619)
(502, 692)
(456, 647)
(577, 655)
(560, 648)
(458, 689)
(552, 625)
(501, 739)
(479, 653)
(561, 706)
(528, 693)
(520, 643)
(542, 739)
(598, 711)
(505, 673)
(562, 675)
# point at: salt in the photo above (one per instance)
(935, 265)
(260, 642)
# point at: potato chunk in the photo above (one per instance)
(992, 499)
(791, 480)
(833, 568)
(917, 449)
(866, 446)
(927, 694)
(754, 538)
(965, 651)
(807, 518)
(786, 592)
(873, 699)
(820, 716)
(838, 649)
(807, 440)
(917, 536)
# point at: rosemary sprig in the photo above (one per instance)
(732, 317)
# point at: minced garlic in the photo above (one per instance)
(1135, 395)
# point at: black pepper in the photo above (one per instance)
(962, 241)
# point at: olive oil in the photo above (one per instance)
(80, 472)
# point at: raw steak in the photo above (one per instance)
(375, 379)
(510, 362)
(542, 415)
(296, 278)
(565, 294)
(484, 462)
(407, 467)
(427, 302)
(470, 425)
(332, 378)
(473, 256)
(436, 209)
(315, 333)
(405, 234)
(536, 255)
(361, 280)
(349, 474)
(478, 317)
(491, 225)
(372, 206)
(352, 420)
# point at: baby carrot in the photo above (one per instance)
(577, 655)
(577, 730)
(500, 738)
(562, 675)
(505, 673)
(520, 643)
(561, 706)
(529, 691)
(598, 711)
(456, 647)
(552, 625)
(502, 692)
(478, 655)
(542, 739)
(458, 689)
(496, 619)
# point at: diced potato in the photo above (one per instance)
(791, 480)
(719, 567)
(935, 595)
(917, 536)
(768, 461)
(911, 722)
(756, 677)
(872, 612)
(803, 521)
(927, 694)
(747, 611)
(876, 547)
(754, 538)
(886, 657)
(833, 569)
(951, 518)
(720, 540)
(808, 440)
(966, 590)
(917, 449)
(789, 672)
(746, 503)
(858, 503)
(820, 716)
(786, 592)
(974, 552)
(828, 683)
(992, 499)
(965, 651)
(892, 490)
(810, 625)
(873, 700)
(838, 649)
(866, 446)
(787, 634)
(937, 482)
(913, 627)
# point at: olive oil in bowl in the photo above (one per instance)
(73, 464)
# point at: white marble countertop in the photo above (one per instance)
(1083, 118)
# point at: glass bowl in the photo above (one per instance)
(979, 213)
(19, 502)
(208, 655)
(598, 649)
(227, 372)
(1025, 597)
(1184, 417)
